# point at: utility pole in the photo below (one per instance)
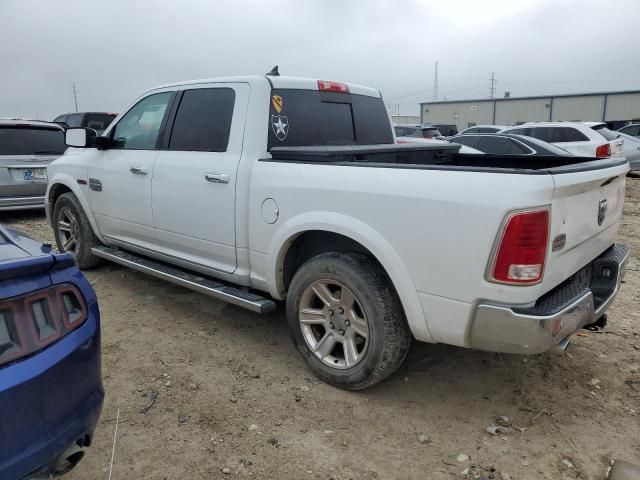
(435, 83)
(75, 95)
(492, 83)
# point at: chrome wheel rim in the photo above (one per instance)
(333, 324)
(68, 231)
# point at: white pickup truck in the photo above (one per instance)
(263, 188)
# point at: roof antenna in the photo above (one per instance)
(274, 72)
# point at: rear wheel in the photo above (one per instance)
(347, 321)
(73, 231)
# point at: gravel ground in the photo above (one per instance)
(234, 399)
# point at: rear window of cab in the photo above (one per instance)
(311, 117)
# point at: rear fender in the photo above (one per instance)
(367, 237)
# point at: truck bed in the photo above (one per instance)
(437, 157)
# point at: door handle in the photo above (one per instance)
(138, 170)
(216, 177)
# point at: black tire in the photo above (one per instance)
(389, 335)
(86, 238)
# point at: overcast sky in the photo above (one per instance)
(115, 49)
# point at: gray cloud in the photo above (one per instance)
(115, 49)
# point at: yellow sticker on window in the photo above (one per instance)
(276, 101)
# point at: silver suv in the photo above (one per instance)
(26, 148)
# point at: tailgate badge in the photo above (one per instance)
(602, 210)
(559, 242)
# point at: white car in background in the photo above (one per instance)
(631, 150)
(483, 129)
(585, 139)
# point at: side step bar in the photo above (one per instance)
(209, 287)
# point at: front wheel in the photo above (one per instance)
(73, 231)
(347, 321)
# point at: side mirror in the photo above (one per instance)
(79, 137)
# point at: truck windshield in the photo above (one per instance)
(310, 117)
(31, 141)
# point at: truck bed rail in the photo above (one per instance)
(438, 157)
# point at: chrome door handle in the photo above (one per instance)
(216, 177)
(138, 170)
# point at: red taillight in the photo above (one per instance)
(603, 151)
(327, 86)
(31, 322)
(521, 254)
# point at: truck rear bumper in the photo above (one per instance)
(579, 301)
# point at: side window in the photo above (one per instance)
(527, 132)
(75, 120)
(138, 129)
(399, 131)
(471, 130)
(573, 135)
(60, 119)
(467, 140)
(203, 121)
(518, 148)
(548, 134)
(496, 145)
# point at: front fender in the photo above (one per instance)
(80, 191)
(367, 237)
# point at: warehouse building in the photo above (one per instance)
(615, 108)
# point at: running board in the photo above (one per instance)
(212, 288)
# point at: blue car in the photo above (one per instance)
(51, 390)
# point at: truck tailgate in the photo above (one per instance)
(585, 215)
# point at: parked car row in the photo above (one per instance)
(592, 139)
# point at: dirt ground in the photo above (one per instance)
(234, 399)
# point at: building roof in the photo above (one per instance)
(534, 97)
